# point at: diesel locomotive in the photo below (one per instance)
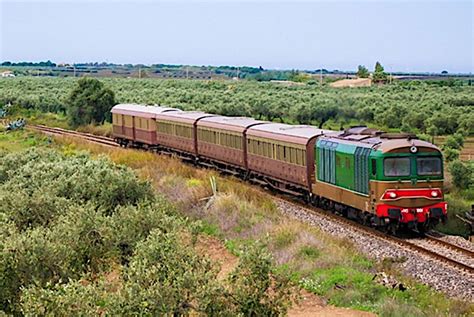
(385, 180)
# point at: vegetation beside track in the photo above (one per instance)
(85, 236)
(308, 256)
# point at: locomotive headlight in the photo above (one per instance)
(392, 195)
(434, 193)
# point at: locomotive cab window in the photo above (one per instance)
(396, 166)
(428, 166)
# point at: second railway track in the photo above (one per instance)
(459, 258)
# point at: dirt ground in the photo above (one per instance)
(309, 305)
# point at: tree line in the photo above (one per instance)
(410, 107)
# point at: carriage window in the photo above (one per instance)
(293, 155)
(397, 166)
(428, 165)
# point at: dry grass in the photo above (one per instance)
(304, 248)
(103, 130)
(182, 183)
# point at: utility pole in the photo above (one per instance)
(74, 66)
(321, 77)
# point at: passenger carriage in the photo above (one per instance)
(282, 155)
(136, 123)
(177, 131)
(223, 141)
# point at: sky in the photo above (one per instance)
(412, 36)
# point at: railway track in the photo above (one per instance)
(450, 258)
(451, 247)
(86, 136)
(459, 257)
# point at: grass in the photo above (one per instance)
(37, 117)
(239, 213)
(103, 129)
(14, 141)
(59, 120)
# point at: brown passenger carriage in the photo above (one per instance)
(278, 153)
(136, 123)
(223, 140)
(177, 130)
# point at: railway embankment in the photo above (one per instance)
(325, 263)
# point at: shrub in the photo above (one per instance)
(454, 225)
(462, 174)
(256, 289)
(453, 142)
(87, 237)
(451, 154)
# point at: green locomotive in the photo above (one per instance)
(388, 180)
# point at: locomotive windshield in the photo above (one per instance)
(428, 165)
(396, 166)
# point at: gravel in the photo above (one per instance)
(444, 250)
(459, 241)
(437, 274)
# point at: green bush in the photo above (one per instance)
(56, 210)
(451, 154)
(454, 142)
(257, 290)
(454, 225)
(462, 174)
(89, 102)
(69, 223)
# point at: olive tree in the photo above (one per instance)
(89, 102)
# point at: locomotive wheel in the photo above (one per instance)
(391, 228)
(425, 227)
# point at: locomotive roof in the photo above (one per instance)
(147, 111)
(300, 134)
(389, 145)
(184, 116)
(379, 140)
(231, 123)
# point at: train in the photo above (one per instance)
(392, 181)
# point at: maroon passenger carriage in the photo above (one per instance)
(136, 124)
(221, 141)
(278, 154)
